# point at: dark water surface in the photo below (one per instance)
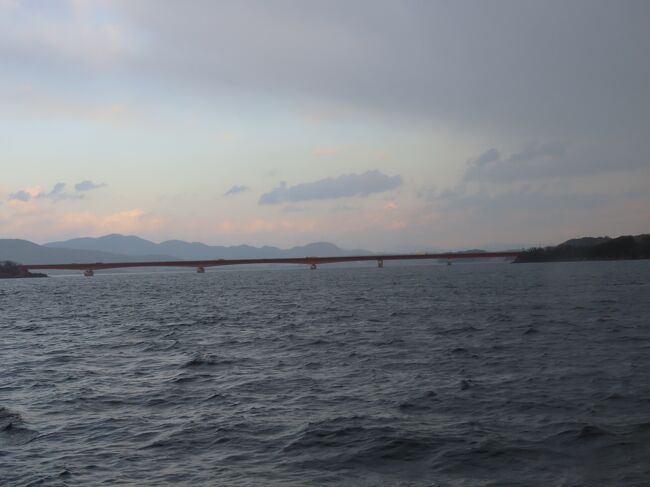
(428, 375)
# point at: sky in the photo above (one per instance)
(384, 125)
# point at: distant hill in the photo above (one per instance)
(26, 252)
(114, 243)
(584, 242)
(628, 247)
(181, 250)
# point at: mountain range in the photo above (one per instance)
(122, 248)
(130, 248)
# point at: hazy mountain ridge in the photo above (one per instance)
(130, 248)
(119, 248)
(178, 249)
(26, 252)
(113, 243)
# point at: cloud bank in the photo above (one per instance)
(57, 193)
(548, 160)
(343, 186)
(539, 65)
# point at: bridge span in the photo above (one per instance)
(313, 262)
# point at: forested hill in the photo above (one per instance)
(10, 270)
(591, 248)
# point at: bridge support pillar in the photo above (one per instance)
(89, 273)
(313, 267)
(200, 270)
(380, 263)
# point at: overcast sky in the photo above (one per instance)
(387, 125)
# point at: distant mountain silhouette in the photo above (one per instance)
(113, 243)
(26, 252)
(181, 250)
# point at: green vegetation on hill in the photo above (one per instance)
(10, 270)
(602, 248)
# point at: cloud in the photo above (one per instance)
(439, 60)
(27, 194)
(135, 220)
(56, 194)
(20, 195)
(236, 189)
(453, 63)
(487, 157)
(88, 186)
(538, 161)
(534, 150)
(525, 199)
(62, 35)
(35, 219)
(427, 193)
(533, 161)
(331, 188)
(91, 223)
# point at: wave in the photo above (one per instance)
(12, 428)
(206, 360)
(9, 419)
(357, 440)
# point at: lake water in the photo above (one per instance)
(535, 374)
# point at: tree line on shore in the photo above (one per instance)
(626, 247)
(9, 269)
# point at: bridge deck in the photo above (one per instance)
(297, 260)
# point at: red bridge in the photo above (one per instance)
(200, 265)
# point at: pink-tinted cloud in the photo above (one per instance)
(38, 219)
